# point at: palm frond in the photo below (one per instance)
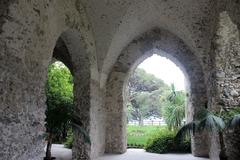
(202, 114)
(220, 124)
(235, 122)
(185, 130)
(83, 132)
(201, 125)
(79, 126)
(211, 123)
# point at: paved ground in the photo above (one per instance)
(132, 154)
(60, 152)
(140, 154)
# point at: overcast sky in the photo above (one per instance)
(164, 69)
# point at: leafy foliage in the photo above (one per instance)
(210, 122)
(59, 92)
(59, 113)
(186, 130)
(77, 124)
(235, 122)
(144, 92)
(215, 123)
(173, 109)
(69, 141)
(164, 142)
(231, 117)
(141, 81)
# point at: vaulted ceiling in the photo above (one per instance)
(117, 22)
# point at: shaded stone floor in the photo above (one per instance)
(140, 154)
(62, 153)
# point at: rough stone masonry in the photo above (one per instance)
(102, 41)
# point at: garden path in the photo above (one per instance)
(140, 154)
(132, 154)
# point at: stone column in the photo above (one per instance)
(116, 123)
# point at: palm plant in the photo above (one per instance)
(174, 109)
(235, 121)
(173, 115)
(211, 123)
(78, 125)
(173, 94)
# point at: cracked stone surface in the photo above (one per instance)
(102, 41)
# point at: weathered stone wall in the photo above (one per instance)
(227, 80)
(228, 63)
(22, 82)
(144, 46)
(29, 32)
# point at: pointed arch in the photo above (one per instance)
(133, 54)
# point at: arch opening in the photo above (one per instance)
(59, 112)
(140, 48)
(69, 52)
(155, 98)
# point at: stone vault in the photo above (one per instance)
(102, 41)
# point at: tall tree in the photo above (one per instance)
(141, 81)
(59, 92)
(144, 92)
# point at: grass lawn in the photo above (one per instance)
(137, 136)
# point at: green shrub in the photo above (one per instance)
(164, 142)
(69, 141)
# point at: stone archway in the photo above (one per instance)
(25, 53)
(70, 50)
(86, 92)
(135, 52)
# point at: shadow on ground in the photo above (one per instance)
(62, 153)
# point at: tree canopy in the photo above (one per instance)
(141, 81)
(59, 93)
(144, 92)
(150, 96)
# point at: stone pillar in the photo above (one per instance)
(116, 123)
(81, 149)
(98, 121)
(199, 141)
(23, 72)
